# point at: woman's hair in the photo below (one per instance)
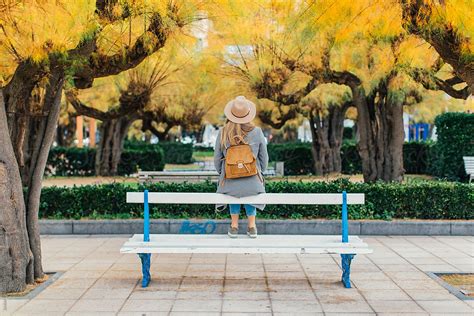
(234, 133)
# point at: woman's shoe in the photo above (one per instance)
(252, 232)
(233, 232)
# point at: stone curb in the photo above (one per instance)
(277, 227)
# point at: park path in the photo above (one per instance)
(97, 280)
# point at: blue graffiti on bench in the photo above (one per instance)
(198, 228)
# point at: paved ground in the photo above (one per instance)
(98, 280)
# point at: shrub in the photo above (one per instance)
(348, 133)
(74, 161)
(417, 157)
(455, 140)
(422, 200)
(147, 159)
(70, 161)
(350, 159)
(297, 157)
(175, 152)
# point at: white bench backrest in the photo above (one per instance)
(469, 164)
(267, 198)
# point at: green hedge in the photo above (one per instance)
(299, 160)
(175, 152)
(297, 157)
(74, 161)
(70, 161)
(455, 140)
(417, 157)
(422, 200)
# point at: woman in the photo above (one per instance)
(239, 130)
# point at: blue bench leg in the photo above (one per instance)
(145, 258)
(346, 269)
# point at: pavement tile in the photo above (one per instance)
(244, 267)
(247, 306)
(395, 307)
(8, 306)
(199, 295)
(147, 306)
(336, 296)
(446, 307)
(244, 274)
(283, 267)
(423, 295)
(295, 285)
(386, 295)
(145, 294)
(90, 314)
(60, 294)
(250, 285)
(197, 306)
(246, 295)
(344, 306)
(197, 284)
(300, 314)
(286, 295)
(290, 306)
(101, 294)
(193, 314)
(375, 285)
(104, 305)
(419, 284)
(46, 306)
(164, 284)
(72, 283)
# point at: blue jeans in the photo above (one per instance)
(250, 210)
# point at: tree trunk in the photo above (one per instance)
(380, 126)
(326, 143)
(44, 139)
(15, 254)
(110, 147)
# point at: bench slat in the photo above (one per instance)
(243, 244)
(266, 198)
(248, 250)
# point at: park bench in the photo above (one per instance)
(197, 175)
(145, 244)
(469, 166)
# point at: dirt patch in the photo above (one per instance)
(464, 282)
(29, 287)
(78, 181)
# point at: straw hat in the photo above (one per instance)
(240, 110)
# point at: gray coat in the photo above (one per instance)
(249, 185)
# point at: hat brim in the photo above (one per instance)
(240, 120)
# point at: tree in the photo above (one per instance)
(344, 43)
(39, 60)
(448, 26)
(326, 108)
(132, 102)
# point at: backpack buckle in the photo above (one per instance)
(240, 165)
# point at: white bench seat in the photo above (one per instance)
(299, 244)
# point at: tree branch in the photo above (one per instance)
(431, 82)
(102, 65)
(83, 109)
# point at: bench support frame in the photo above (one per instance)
(146, 259)
(346, 259)
(346, 269)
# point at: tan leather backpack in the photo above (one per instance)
(240, 162)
